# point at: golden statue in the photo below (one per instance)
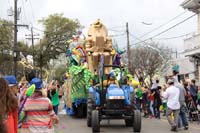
(98, 43)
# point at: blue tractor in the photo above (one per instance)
(112, 102)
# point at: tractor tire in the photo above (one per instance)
(137, 123)
(90, 107)
(129, 122)
(95, 121)
(133, 101)
(80, 111)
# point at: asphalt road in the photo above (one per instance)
(74, 125)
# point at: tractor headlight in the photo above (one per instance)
(116, 97)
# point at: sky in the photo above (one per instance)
(114, 14)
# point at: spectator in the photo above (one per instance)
(186, 87)
(60, 91)
(157, 102)
(173, 106)
(151, 99)
(2, 126)
(193, 91)
(54, 97)
(164, 102)
(198, 106)
(155, 85)
(145, 101)
(13, 84)
(38, 115)
(138, 93)
(183, 107)
(9, 107)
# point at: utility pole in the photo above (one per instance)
(128, 47)
(16, 17)
(32, 38)
(15, 53)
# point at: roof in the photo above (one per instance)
(193, 53)
(192, 5)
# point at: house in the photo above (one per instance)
(192, 44)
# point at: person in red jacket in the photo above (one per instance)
(2, 127)
(9, 107)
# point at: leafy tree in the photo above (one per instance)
(6, 35)
(58, 29)
(59, 72)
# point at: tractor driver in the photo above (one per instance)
(111, 80)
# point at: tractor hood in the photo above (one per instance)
(114, 92)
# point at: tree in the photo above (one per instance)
(6, 35)
(6, 58)
(58, 29)
(148, 60)
(59, 72)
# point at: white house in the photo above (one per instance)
(192, 44)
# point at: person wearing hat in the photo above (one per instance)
(9, 107)
(173, 105)
(111, 80)
(38, 112)
(183, 108)
(13, 84)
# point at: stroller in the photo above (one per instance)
(193, 112)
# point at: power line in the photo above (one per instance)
(166, 38)
(135, 36)
(167, 29)
(163, 24)
(174, 26)
(175, 37)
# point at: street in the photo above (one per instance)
(74, 125)
(107, 60)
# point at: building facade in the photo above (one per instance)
(192, 44)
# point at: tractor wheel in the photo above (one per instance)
(80, 111)
(90, 107)
(133, 101)
(95, 121)
(137, 121)
(129, 122)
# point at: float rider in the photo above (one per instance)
(110, 80)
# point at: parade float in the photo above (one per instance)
(83, 57)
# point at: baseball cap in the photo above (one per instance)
(11, 79)
(37, 82)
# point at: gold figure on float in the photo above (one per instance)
(97, 43)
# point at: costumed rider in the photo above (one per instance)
(110, 80)
(128, 89)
